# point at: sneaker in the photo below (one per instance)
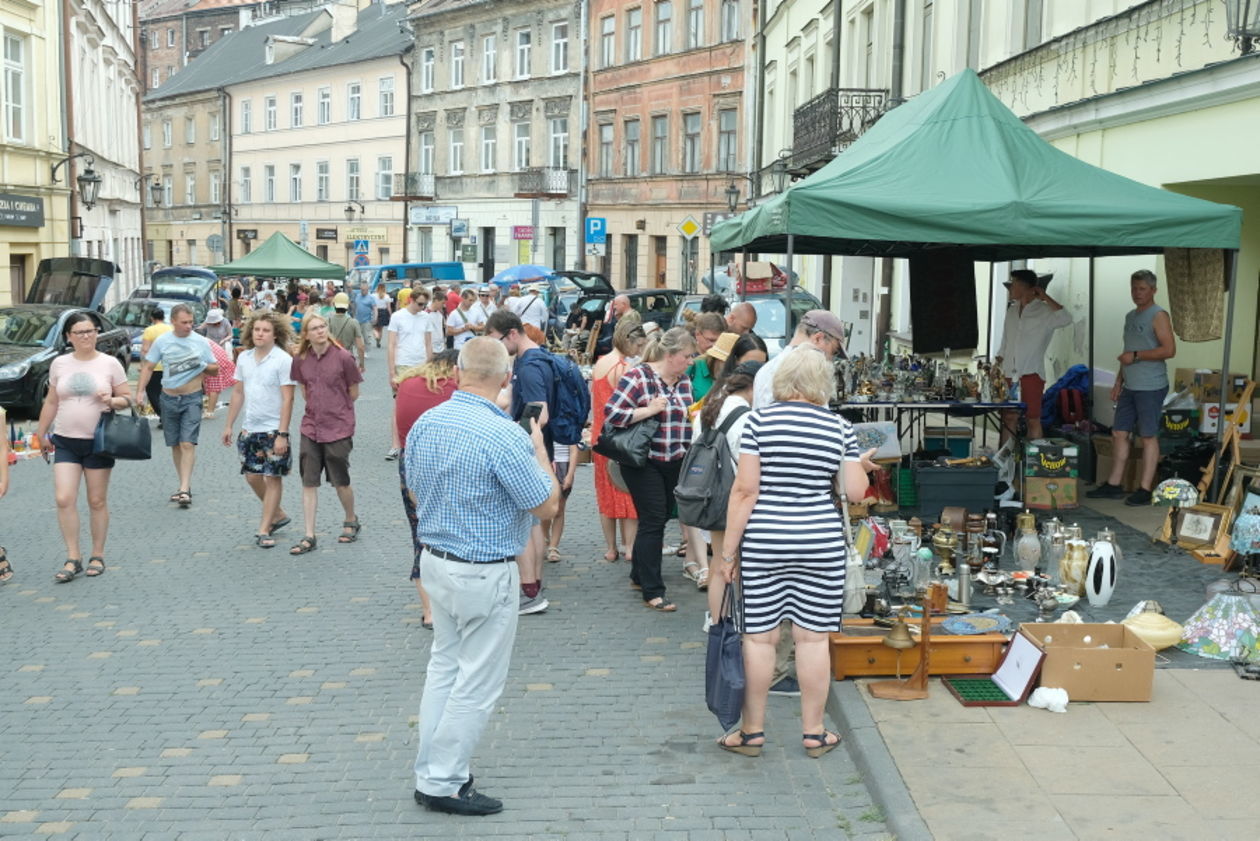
(787, 686)
(535, 605)
(708, 623)
(1106, 491)
(392, 455)
(1139, 497)
(468, 801)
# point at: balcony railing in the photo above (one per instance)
(828, 123)
(414, 185)
(545, 181)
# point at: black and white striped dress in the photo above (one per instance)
(792, 558)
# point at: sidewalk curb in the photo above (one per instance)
(875, 763)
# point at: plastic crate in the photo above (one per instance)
(968, 487)
(955, 439)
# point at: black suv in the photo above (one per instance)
(659, 305)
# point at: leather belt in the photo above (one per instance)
(447, 556)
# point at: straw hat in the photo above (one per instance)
(721, 349)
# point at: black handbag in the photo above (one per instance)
(126, 437)
(724, 662)
(627, 445)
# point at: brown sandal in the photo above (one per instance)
(743, 748)
(660, 604)
(95, 566)
(823, 745)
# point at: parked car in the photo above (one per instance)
(395, 275)
(184, 283)
(31, 338)
(771, 324)
(133, 315)
(659, 305)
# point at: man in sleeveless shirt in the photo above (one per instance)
(1140, 388)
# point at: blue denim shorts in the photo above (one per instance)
(1140, 410)
(181, 417)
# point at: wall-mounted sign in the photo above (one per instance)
(247, 233)
(326, 233)
(375, 233)
(431, 214)
(459, 228)
(522, 232)
(21, 211)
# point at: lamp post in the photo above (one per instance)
(1242, 23)
(89, 182)
(350, 210)
(155, 189)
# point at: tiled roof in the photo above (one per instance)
(433, 7)
(238, 57)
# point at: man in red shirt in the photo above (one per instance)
(330, 379)
(452, 298)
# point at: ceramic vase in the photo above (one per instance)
(1100, 575)
(1073, 567)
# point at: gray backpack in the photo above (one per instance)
(706, 477)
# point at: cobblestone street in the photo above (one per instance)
(206, 689)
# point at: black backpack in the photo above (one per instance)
(706, 477)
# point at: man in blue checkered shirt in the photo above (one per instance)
(479, 481)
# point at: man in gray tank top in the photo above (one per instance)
(1140, 388)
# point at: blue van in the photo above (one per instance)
(395, 275)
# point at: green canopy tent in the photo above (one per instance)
(280, 256)
(955, 169)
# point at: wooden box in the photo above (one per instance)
(858, 654)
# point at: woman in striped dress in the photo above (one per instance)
(791, 540)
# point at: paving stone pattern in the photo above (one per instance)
(206, 689)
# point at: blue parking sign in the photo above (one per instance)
(596, 230)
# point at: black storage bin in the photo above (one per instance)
(939, 487)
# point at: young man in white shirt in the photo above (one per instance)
(532, 309)
(1032, 316)
(465, 322)
(411, 341)
(264, 387)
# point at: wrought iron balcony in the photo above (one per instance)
(414, 185)
(545, 182)
(828, 123)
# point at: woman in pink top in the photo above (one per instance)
(81, 385)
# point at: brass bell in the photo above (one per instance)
(899, 637)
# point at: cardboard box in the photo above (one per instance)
(1104, 449)
(1051, 494)
(1051, 457)
(1212, 417)
(1205, 383)
(1094, 662)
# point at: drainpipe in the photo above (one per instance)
(138, 70)
(580, 234)
(67, 70)
(887, 273)
(406, 137)
(836, 19)
(760, 105)
(227, 209)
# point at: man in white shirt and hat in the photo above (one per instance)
(1032, 316)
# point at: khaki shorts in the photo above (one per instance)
(331, 458)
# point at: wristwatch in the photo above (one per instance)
(282, 435)
(1135, 356)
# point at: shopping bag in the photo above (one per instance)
(122, 436)
(724, 663)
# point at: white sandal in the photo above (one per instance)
(702, 580)
(689, 573)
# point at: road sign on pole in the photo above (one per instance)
(596, 249)
(362, 247)
(596, 230)
(361, 260)
(689, 227)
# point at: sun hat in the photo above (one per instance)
(721, 350)
(214, 316)
(341, 301)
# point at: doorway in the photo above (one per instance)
(487, 254)
(630, 247)
(660, 252)
(17, 278)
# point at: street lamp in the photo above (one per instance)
(732, 196)
(89, 182)
(155, 189)
(1242, 23)
(350, 210)
(779, 171)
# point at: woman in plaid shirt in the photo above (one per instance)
(659, 387)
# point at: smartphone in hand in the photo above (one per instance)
(533, 411)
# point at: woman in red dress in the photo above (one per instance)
(615, 504)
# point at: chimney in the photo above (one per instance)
(345, 17)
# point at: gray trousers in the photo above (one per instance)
(474, 625)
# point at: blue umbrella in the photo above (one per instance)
(521, 274)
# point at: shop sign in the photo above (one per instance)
(21, 211)
(326, 233)
(520, 232)
(247, 233)
(432, 214)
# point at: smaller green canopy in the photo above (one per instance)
(955, 168)
(280, 256)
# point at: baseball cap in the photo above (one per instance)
(341, 301)
(827, 322)
(1030, 277)
(214, 316)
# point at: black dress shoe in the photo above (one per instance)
(468, 801)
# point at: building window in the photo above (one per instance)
(560, 48)
(634, 161)
(384, 177)
(455, 165)
(558, 154)
(426, 152)
(1033, 14)
(354, 101)
(295, 110)
(216, 188)
(214, 126)
(524, 43)
(727, 118)
(321, 180)
(520, 146)
(691, 142)
(664, 27)
(660, 145)
(203, 38)
(225, 30)
(457, 64)
(695, 23)
(269, 112)
(295, 182)
(146, 136)
(155, 77)
(168, 191)
(153, 39)
(170, 37)
(489, 140)
(605, 150)
(426, 70)
(247, 116)
(246, 192)
(190, 188)
(607, 41)
(168, 134)
(352, 178)
(634, 34)
(190, 130)
(385, 89)
(730, 20)
(489, 60)
(323, 106)
(925, 50)
(14, 88)
(269, 183)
